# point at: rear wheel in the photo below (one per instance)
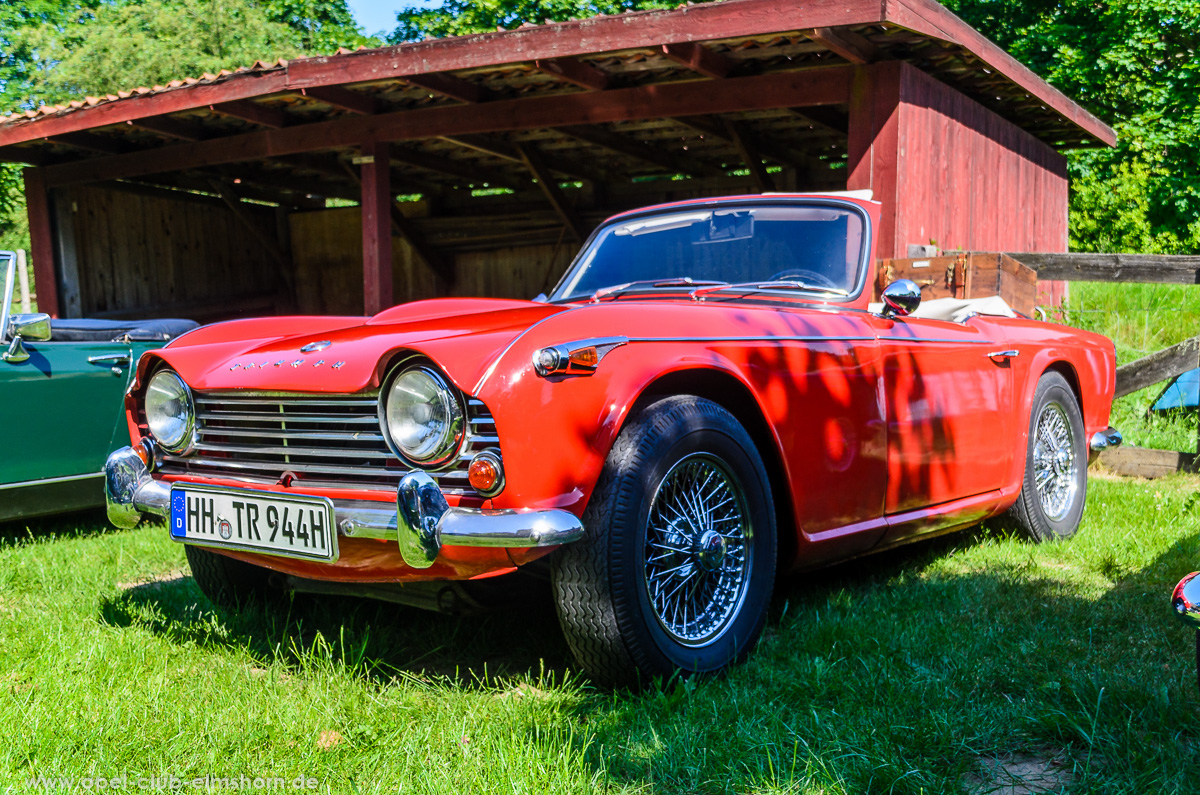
(227, 582)
(1050, 504)
(678, 564)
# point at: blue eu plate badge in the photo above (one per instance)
(178, 512)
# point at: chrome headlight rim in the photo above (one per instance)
(456, 436)
(184, 445)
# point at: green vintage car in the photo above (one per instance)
(62, 387)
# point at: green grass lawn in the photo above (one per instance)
(1141, 319)
(916, 671)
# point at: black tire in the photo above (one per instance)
(1040, 516)
(229, 583)
(601, 584)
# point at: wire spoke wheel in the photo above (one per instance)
(1055, 462)
(697, 557)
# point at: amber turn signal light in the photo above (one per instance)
(486, 473)
(585, 357)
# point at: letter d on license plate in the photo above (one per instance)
(291, 525)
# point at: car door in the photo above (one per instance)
(948, 393)
(63, 406)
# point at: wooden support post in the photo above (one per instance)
(23, 280)
(873, 145)
(552, 192)
(376, 227)
(41, 240)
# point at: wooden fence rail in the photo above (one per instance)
(1158, 366)
(1149, 370)
(1144, 268)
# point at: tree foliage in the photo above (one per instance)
(458, 17)
(1133, 63)
(58, 50)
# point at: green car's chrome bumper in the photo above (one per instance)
(421, 521)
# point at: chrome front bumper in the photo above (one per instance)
(421, 521)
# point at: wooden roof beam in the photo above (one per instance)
(854, 47)
(700, 59)
(750, 156)
(575, 72)
(615, 142)
(17, 154)
(469, 172)
(822, 86)
(342, 99)
(506, 151)
(830, 117)
(450, 86)
(553, 193)
(91, 143)
(252, 112)
(172, 128)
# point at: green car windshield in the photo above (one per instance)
(817, 247)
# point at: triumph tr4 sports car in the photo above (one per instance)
(706, 399)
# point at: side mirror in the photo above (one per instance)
(541, 299)
(33, 327)
(901, 298)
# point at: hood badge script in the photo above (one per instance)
(313, 347)
(296, 363)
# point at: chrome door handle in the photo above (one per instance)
(1003, 354)
(110, 360)
(114, 360)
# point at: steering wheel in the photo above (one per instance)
(806, 276)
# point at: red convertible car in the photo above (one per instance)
(707, 399)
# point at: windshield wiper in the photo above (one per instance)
(755, 287)
(620, 289)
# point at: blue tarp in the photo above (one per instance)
(1183, 393)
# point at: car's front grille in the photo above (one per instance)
(322, 440)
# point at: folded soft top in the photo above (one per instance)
(85, 330)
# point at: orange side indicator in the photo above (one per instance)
(585, 357)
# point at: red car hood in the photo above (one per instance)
(464, 336)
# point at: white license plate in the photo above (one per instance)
(295, 526)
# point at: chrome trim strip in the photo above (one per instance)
(812, 338)
(314, 452)
(351, 419)
(45, 481)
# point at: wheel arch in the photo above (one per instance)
(734, 396)
(1067, 371)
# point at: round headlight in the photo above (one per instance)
(169, 411)
(422, 416)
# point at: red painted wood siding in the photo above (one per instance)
(970, 179)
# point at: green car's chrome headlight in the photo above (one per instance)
(422, 416)
(170, 412)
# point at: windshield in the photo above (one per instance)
(816, 246)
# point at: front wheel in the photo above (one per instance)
(678, 564)
(1050, 504)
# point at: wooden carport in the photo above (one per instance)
(218, 195)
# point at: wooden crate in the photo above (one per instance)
(966, 275)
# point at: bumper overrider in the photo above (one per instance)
(421, 522)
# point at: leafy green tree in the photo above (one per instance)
(458, 17)
(321, 25)
(1133, 63)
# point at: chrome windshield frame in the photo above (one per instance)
(749, 201)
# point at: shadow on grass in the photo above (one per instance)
(380, 640)
(876, 675)
(78, 524)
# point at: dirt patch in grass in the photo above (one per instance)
(1021, 774)
(157, 581)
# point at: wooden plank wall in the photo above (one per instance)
(327, 250)
(146, 254)
(971, 180)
